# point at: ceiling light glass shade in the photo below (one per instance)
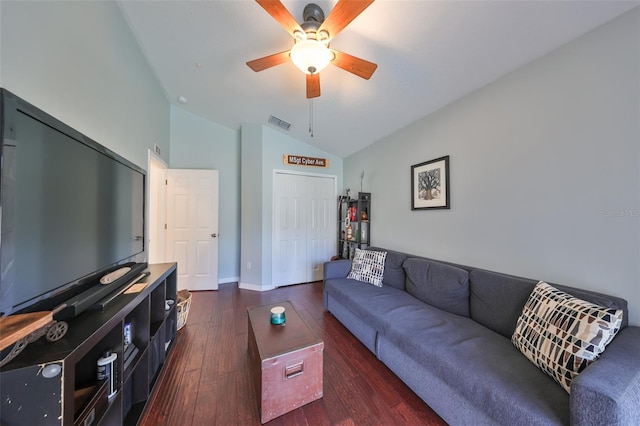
(310, 56)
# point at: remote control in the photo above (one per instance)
(112, 276)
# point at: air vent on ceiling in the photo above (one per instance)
(278, 122)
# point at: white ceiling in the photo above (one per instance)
(429, 53)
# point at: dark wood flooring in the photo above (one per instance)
(207, 379)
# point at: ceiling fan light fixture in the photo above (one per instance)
(311, 56)
(299, 35)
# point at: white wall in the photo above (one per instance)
(79, 62)
(197, 143)
(545, 170)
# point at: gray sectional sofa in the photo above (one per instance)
(445, 330)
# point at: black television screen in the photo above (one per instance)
(71, 208)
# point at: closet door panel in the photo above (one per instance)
(304, 227)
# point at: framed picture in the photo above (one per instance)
(430, 184)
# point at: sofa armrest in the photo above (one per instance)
(336, 269)
(608, 390)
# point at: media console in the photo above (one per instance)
(56, 383)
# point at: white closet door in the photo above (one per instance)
(321, 229)
(304, 227)
(289, 266)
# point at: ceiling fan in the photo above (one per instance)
(311, 52)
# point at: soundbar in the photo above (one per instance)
(104, 302)
(88, 298)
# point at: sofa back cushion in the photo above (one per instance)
(443, 286)
(393, 272)
(496, 300)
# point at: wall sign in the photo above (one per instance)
(303, 160)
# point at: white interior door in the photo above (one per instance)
(304, 227)
(192, 227)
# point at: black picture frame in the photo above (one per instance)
(430, 187)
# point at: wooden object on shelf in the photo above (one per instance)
(81, 396)
(285, 361)
(15, 327)
(90, 402)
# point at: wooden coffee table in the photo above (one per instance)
(286, 361)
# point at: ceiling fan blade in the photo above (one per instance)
(269, 61)
(342, 14)
(280, 13)
(313, 85)
(354, 65)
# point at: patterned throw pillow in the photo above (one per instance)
(562, 334)
(368, 266)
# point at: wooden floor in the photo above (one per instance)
(207, 380)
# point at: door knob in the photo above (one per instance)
(214, 235)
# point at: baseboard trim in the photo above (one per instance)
(254, 287)
(228, 280)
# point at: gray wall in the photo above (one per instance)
(262, 153)
(197, 143)
(544, 162)
(79, 62)
(251, 238)
(545, 170)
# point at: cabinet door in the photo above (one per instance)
(22, 387)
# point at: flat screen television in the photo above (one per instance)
(71, 210)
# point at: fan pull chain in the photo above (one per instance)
(311, 116)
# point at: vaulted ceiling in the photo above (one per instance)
(429, 53)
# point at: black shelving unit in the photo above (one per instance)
(74, 395)
(355, 213)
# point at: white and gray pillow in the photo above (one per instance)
(368, 266)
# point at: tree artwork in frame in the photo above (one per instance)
(430, 184)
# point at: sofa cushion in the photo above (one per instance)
(496, 300)
(562, 334)
(370, 303)
(440, 285)
(481, 365)
(393, 272)
(368, 266)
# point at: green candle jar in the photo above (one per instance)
(277, 315)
